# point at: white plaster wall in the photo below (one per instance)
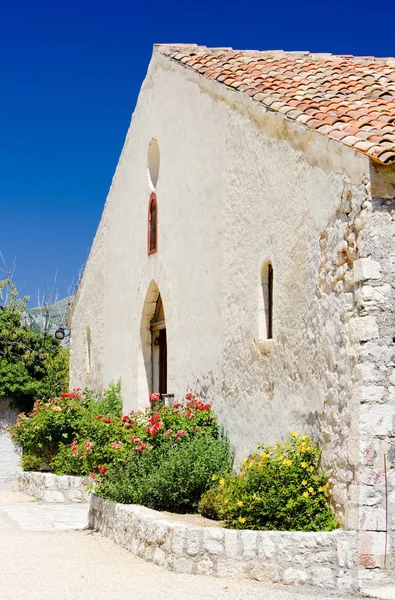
(87, 314)
(9, 456)
(237, 186)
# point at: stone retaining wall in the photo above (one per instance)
(321, 559)
(54, 488)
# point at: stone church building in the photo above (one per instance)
(246, 251)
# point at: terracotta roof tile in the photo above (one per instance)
(350, 99)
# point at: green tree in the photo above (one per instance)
(32, 365)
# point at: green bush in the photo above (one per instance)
(281, 488)
(30, 462)
(210, 504)
(169, 477)
(32, 365)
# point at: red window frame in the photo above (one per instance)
(152, 244)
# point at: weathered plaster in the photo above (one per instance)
(238, 186)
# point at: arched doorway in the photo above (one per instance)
(159, 348)
(152, 357)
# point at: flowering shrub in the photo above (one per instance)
(116, 441)
(59, 421)
(280, 488)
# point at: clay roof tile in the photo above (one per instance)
(350, 99)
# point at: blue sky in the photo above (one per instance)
(70, 76)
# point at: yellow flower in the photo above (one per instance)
(239, 503)
(304, 465)
(304, 482)
(222, 482)
(304, 437)
(311, 468)
(242, 520)
(226, 500)
(305, 494)
(321, 489)
(214, 477)
(281, 457)
(311, 490)
(287, 462)
(315, 477)
(294, 433)
(264, 455)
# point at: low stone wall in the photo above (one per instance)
(54, 488)
(321, 559)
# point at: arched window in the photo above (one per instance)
(152, 225)
(265, 309)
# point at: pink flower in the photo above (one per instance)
(73, 446)
(168, 432)
(92, 476)
(154, 397)
(57, 408)
(89, 446)
(101, 469)
(180, 433)
(116, 445)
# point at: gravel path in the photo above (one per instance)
(43, 564)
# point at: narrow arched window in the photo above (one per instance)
(265, 309)
(152, 225)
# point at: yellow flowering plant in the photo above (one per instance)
(280, 487)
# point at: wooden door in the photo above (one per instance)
(162, 362)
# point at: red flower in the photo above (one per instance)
(141, 447)
(99, 417)
(125, 418)
(106, 420)
(154, 397)
(92, 476)
(101, 469)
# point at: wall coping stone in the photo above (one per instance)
(50, 488)
(323, 559)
